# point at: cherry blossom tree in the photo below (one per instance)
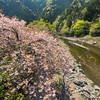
(30, 65)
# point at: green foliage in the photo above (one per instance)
(95, 29)
(54, 8)
(81, 28)
(65, 29)
(7, 61)
(4, 63)
(78, 10)
(23, 9)
(41, 24)
(34, 9)
(60, 80)
(92, 11)
(58, 23)
(59, 15)
(72, 13)
(5, 94)
(15, 96)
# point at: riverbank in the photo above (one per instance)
(86, 39)
(80, 87)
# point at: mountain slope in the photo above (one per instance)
(35, 5)
(14, 7)
(93, 11)
(34, 9)
(79, 9)
(54, 8)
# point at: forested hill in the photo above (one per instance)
(15, 7)
(23, 9)
(54, 8)
(73, 12)
(69, 10)
(62, 14)
(34, 9)
(85, 10)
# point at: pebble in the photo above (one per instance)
(96, 87)
(84, 85)
(81, 84)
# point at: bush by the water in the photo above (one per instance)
(95, 28)
(81, 28)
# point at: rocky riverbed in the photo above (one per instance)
(86, 39)
(80, 87)
(80, 84)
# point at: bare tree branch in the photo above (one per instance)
(16, 33)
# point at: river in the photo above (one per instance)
(89, 57)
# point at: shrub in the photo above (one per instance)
(81, 28)
(41, 24)
(95, 29)
(65, 29)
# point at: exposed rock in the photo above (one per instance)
(97, 88)
(81, 71)
(82, 85)
(79, 65)
(79, 83)
(94, 42)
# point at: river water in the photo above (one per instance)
(88, 56)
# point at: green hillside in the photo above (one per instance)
(87, 10)
(16, 7)
(54, 8)
(34, 9)
(63, 14)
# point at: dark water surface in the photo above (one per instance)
(88, 56)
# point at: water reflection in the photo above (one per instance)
(89, 58)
